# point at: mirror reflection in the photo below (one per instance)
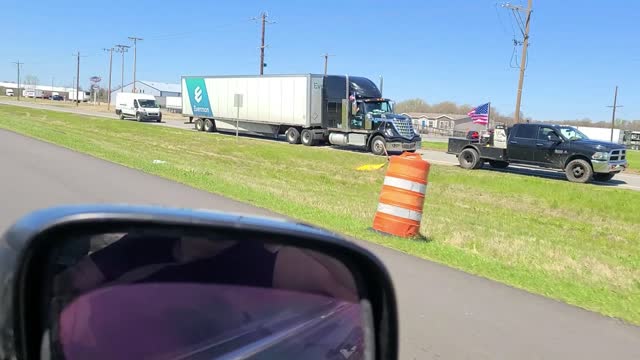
(157, 295)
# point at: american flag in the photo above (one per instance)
(480, 114)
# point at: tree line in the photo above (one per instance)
(448, 107)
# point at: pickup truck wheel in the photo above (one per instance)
(603, 177)
(579, 171)
(307, 138)
(199, 125)
(208, 125)
(378, 145)
(498, 164)
(293, 135)
(469, 159)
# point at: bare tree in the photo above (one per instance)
(30, 80)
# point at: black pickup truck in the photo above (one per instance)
(550, 146)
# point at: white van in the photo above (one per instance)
(8, 92)
(140, 106)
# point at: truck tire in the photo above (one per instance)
(469, 159)
(199, 125)
(307, 138)
(579, 170)
(498, 164)
(293, 135)
(139, 117)
(121, 116)
(378, 144)
(208, 126)
(603, 177)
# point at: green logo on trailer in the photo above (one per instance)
(199, 97)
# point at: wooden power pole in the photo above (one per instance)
(135, 51)
(18, 64)
(263, 19)
(613, 115)
(525, 46)
(110, 67)
(326, 61)
(78, 79)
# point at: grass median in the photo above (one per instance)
(572, 242)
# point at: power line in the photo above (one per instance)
(263, 18)
(135, 43)
(18, 64)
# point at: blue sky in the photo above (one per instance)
(457, 50)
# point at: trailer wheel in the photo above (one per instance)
(469, 159)
(579, 170)
(307, 138)
(199, 125)
(209, 126)
(293, 135)
(378, 145)
(498, 164)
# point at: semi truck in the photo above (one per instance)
(544, 145)
(307, 109)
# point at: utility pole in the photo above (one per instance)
(263, 18)
(122, 49)
(52, 80)
(525, 46)
(18, 64)
(613, 115)
(110, 67)
(78, 79)
(326, 61)
(135, 43)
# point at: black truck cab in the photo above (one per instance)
(544, 145)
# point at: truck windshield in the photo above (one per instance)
(377, 107)
(147, 103)
(572, 133)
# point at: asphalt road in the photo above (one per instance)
(623, 181)
(444, 313)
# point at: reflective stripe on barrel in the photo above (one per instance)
(405, 184)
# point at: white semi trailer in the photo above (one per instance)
(307, 109)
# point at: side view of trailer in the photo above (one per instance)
(307, 109)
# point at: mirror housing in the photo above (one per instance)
(27, 245)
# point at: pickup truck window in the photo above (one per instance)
(572, 133)
(526, 131)
(544, 131)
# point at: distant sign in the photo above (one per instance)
(95, 79)
(237, 100)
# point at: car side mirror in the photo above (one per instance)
(114, 282)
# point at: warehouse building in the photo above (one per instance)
(160, 90)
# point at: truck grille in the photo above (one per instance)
(404, 127)
(618, 155)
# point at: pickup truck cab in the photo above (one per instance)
(544, 145)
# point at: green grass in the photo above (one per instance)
(576, 243)
(633, 158)
(434, 145)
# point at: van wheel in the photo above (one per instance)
(603, 177)
(199, 125)
(121, 116)
(469, 159)
(293, 135)
(378, 145)
(139, 117)
(307, 138)
(579, 170)
(209, 126)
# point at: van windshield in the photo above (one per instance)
(147, 103)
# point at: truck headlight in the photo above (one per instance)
(389, 132)
(600, 155)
